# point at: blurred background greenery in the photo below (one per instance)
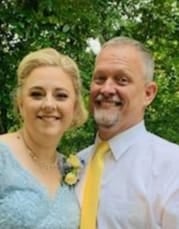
(26, 25)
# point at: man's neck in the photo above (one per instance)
(106, 133)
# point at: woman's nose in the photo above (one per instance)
(48, 103)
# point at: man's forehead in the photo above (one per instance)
(114, 51)
(118, 54)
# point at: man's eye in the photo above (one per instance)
(61, 96)
(123, 81)
(99, 79)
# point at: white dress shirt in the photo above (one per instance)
(140, 184)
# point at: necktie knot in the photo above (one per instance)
(101, 150)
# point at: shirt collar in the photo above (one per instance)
(122, 141)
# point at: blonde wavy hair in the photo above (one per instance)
(51, 57)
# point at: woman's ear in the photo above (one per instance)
(150, 92)
(19, 103)
(75, 116)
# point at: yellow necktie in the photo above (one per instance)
(92, 188)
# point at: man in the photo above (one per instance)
(139, 187)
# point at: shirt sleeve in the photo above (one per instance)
(170, 217)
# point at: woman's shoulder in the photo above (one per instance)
(8, 137)
(8, 142)
(4, 152)
(4, 142)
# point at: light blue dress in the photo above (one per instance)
(25, 204)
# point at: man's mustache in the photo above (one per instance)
(110, 99)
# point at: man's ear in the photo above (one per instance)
(150, 92)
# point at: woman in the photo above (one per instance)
(49, 102)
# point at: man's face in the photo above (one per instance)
(119, 91)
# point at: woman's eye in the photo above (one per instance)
(36, 94)
(61, 96)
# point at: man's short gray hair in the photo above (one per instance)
(147, 56)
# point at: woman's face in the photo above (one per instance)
(47, 102)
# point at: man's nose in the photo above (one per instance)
(108, 87)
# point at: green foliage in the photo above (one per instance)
(76, 139)
(26, 25)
